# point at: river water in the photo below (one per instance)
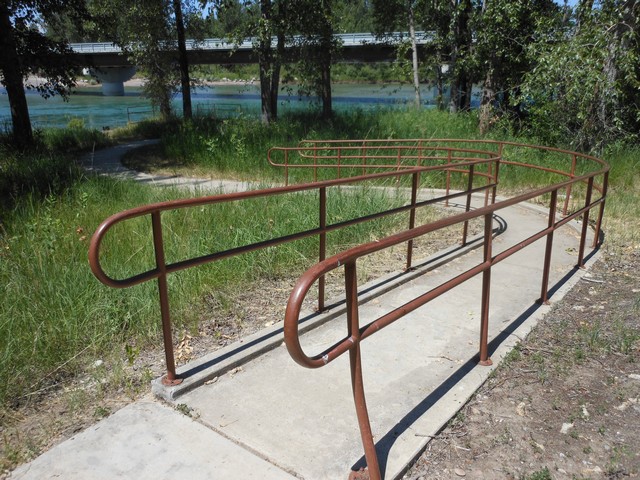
(97, 111)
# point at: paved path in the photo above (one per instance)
(107, 162)
(272, 419)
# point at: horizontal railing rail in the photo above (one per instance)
(500, 147)
(367, 158)
(163, 268)
(356, 333)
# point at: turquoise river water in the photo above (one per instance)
(98, 111)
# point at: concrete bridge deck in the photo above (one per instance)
(272, 419)
(355, 47)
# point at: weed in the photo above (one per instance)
(618, 455)
(543, 474)
(101, 412)
(132, 353)
(625, 337)
(184, 409)
(504, 438)
(513, 356)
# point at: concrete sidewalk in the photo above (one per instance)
(257, 414)
(108, 162)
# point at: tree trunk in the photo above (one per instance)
(462, 46)
(485, 115)
(464, 103)
(184, 63)
(275, 74)
(453, 75)
(269, 66)
(326, 52)
(439, 87)
(327, 104)
(414, 55)
(165, 105)
(12, 79)
(265, 89)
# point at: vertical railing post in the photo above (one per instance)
(605, 186)
(486, 291)
(549, 247)
(170, 378)
(398, 163)
(489, 176)
(315, 162)
(339, 160)
(363, 156)
(415, 182)
(585, 223)
(465, 227)
(496, 175)
(286, 167)
(322, 244)
(448, 181)
(357, 384)
(572, 174)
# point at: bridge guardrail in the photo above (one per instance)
(346, 39)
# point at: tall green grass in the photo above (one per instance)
(56, 317)
(238, 147)
(47, 166)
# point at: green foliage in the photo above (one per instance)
(543, 474)
(26, 50)
(47, 168)
(38, 174)
(39, 53)
(73, 139)
(584, 89)
(238, 147)
(144, 31)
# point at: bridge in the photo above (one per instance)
(114, 67)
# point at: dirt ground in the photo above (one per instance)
(564, 404)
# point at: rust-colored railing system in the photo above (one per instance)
(338, 159)
(475, 164)
(356, 333)
(478, 166)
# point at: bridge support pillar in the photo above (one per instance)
(113, 78)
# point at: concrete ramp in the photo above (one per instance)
(260, 415)
(418, 371)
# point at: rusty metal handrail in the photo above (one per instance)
(347, 259)
(345, 157)
(162, 268)
(444, 142)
